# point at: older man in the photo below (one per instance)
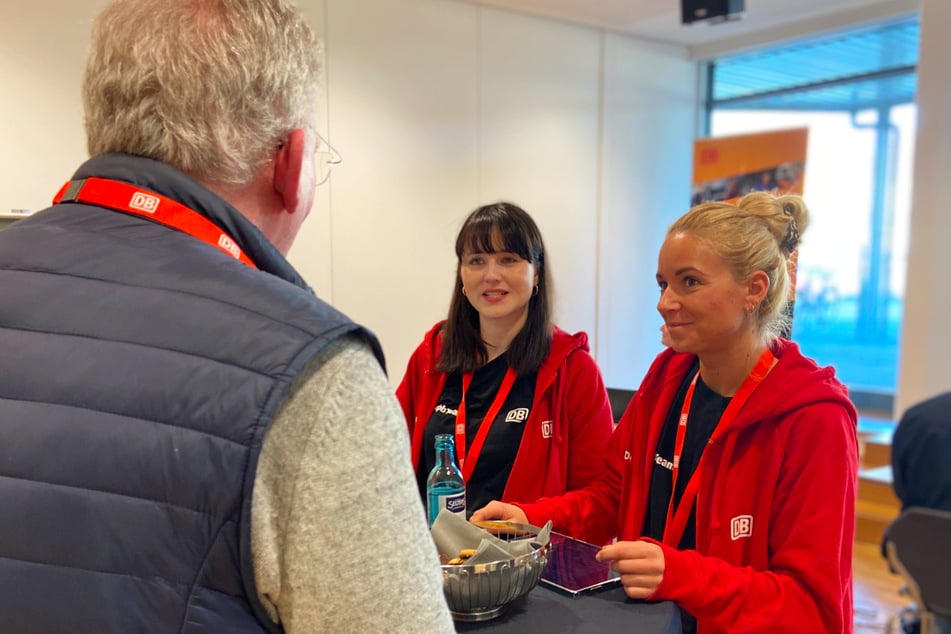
(192, 441)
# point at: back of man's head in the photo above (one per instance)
(210, 87)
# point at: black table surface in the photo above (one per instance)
(545, 610)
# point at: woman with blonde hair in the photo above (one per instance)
(730, 481)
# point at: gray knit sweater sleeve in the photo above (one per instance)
(338, 534)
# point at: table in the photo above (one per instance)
(545, 610)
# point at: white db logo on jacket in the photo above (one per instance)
(741, 526)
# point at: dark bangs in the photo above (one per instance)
(494, 229)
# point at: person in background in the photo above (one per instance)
(921, 471)
(920, 449)
(536, 416)
(730, 481)
(178, 408)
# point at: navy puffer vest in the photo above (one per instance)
(139, 371)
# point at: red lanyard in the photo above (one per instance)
(677, 519)
(134, 200)
(468, 466)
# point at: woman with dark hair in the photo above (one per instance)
(524, 399)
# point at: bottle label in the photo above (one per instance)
(455, 503)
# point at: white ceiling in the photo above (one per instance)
(660, 20)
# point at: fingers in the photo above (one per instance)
(487, 512)
(640, 586)
(638, 553)
(499, 511)
(640, 565)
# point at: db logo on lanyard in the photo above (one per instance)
(144, 202)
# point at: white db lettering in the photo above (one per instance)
(741, 526)
(144, 202)
(228, 245)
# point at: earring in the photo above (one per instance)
(535, 291)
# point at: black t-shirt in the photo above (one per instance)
(706, 408)
(501, 445)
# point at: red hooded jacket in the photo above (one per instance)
(775, 507)
(563, 444)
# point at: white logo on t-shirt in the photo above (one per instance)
(442, 409)
(517, 415)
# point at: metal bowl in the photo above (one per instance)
(479, 592)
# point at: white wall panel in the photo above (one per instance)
(925, 361)
(312, 253)
(538, 143)
(402, 111)
(43, 46)
(649, 114)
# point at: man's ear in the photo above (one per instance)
(288, 168)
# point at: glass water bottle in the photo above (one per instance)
(445, 488)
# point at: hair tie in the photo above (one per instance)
(791, 241)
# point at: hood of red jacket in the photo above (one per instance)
(562, 344)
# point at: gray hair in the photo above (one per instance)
(210, 87)
(761, 232)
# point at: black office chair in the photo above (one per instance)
(918, 544)
(619, 398)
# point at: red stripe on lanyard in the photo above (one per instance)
(137, 201)
(677, 518)
(468, 465)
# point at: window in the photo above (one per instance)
(855, 92)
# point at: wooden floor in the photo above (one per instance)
(876, 590)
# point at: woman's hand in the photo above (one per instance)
(499, 511)
(641, 565)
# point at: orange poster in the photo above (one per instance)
(728, 167)
(725, 168)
